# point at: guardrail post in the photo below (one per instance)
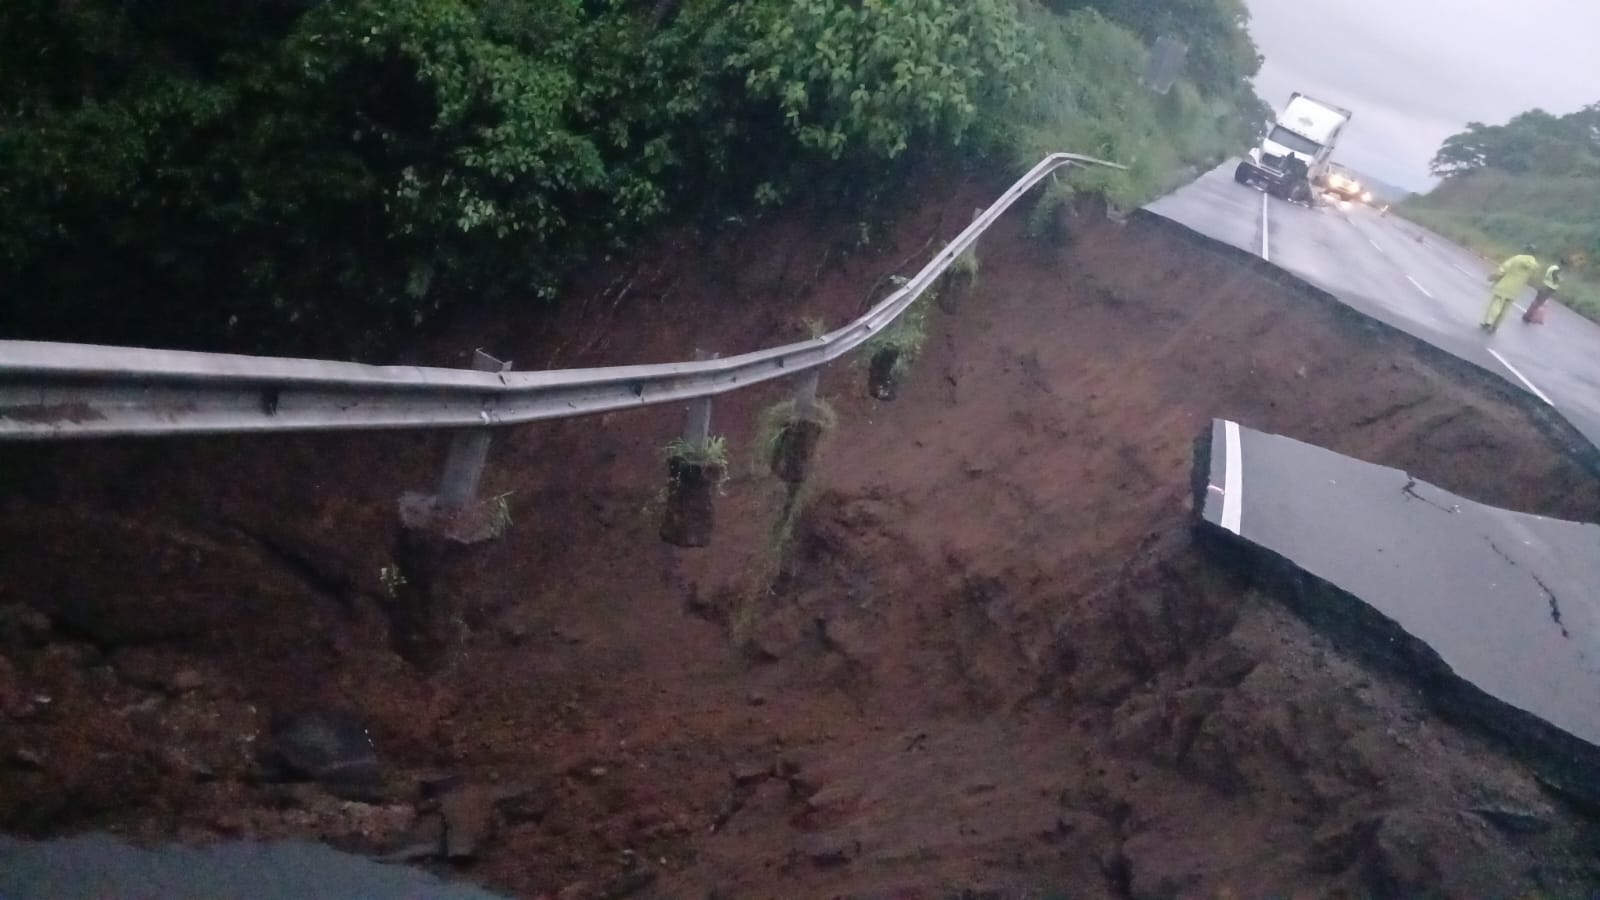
(469, 451)
(697, 429)
(805, 394)
(434, 557)
(958, 280)
(695, 470)
(796, 444)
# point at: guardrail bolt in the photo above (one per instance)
(796, 443)
(697, 464)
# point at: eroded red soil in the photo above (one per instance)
(984, 657)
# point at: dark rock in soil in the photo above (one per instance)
(424, 842)
(182, 764)
(469, 821)
(186, 680)
(1336, 847)
(1402, 860)
(13, 699)
(22, 626)
(832, 852)
(330, 748)
(1512, 821)
(156, 671)
(629, 884)
(24, 758)
(459, 820)
(751, 773)
(527, 803)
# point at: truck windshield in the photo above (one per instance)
(1295, 142)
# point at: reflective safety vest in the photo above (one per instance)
(1514, 274)
(1552, 277)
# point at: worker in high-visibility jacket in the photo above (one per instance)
(1548, 285)
(1509, 280)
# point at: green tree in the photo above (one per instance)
(286, 175)
(1533, 141)
(1535, 178)
(1221, 58)
(874, 75)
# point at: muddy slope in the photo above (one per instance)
(987, 657)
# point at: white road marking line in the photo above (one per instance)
(1464, 270)
(1418, 285)
(1265, 246)
(1233, 480)
(1374, 245)
(1520, 377)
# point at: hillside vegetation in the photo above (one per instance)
(1534, 179)
(324, 176)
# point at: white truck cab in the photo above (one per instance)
(1298, 148)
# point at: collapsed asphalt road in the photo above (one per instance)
(1489, 607)
(1406, 277)
(1494, 610)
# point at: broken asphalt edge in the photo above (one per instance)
(1555, 426)
(1567, 764)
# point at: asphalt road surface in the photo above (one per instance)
(1502, 599)
(1407, 277)
(98, 866)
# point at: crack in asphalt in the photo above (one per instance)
(1410, 490)
(1555, 602)
(1392, 411)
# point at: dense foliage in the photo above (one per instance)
(261, 174)
(1534, 179)
(1221, 56)
(1535, 141)
(1089, 99)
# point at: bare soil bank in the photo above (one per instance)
(988, 658)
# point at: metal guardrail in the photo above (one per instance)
(55, 391)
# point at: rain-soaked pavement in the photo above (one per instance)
(1504, 604)
(1407, 277)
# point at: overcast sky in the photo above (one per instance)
(1416, 71)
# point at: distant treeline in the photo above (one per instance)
(1535, 179)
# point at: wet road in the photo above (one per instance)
(99, 866)
(1503, 600)
(1411, 279)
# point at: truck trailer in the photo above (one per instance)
(1294, 156)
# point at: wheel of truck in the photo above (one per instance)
(1242, 174)
(1300, 192)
